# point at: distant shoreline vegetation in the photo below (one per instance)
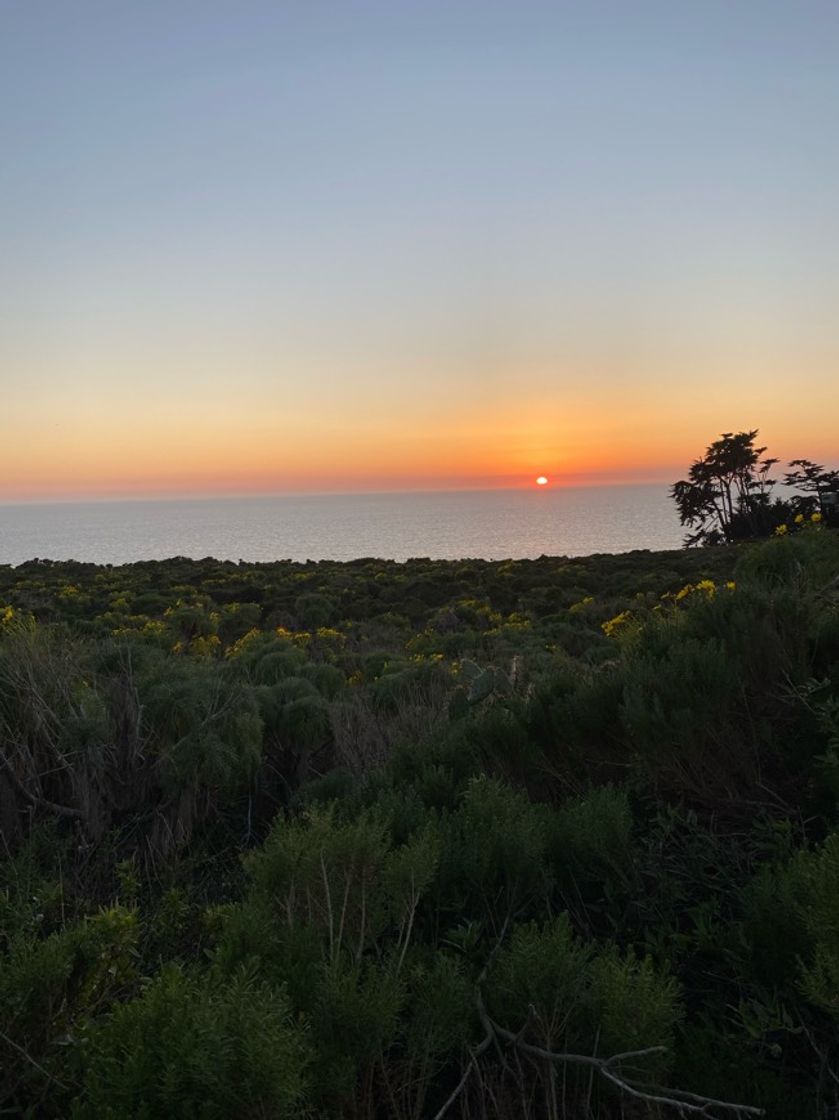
(728, 494)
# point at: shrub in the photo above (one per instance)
(187, 1048)
(584, 1000)
(591, 841)
(494, 852)
(50, 987)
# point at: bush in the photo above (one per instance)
(584, 1000)
(51, 987)
(494, 852)
(187, 1048)
(591, 841)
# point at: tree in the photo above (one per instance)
(820, 488)
(727, 495)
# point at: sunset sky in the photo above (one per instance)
(267, 246)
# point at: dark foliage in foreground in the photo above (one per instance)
(374, 840)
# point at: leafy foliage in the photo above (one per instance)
(278, 837)
(188, 1049)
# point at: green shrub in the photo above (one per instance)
(494, 852)
(51, 987)
(544, 967)
(189, 1048)
(314, 610)
(809, 558)
(327, 679)
(354, 1017)
(631, 1004)
(591, 839)
(584, 1000)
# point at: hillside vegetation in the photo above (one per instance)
(549, 838)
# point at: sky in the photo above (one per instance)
(256, 246)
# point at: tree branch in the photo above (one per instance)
(608, 1068)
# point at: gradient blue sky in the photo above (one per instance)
(266, 246)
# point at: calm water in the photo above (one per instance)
(496, 524)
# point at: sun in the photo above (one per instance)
(541, 480)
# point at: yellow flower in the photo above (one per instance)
(815, 518)
(329, 634)
(517, 622)
(204, 647)
(780, 530)
(799, 517)
(731, 585)
(242, 643)
(616, 623)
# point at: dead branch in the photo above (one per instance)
(608, 1068)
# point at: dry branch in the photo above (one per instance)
(685, 1103)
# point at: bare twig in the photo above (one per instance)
(609, 1068)
(474, 1054)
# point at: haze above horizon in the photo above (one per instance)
(261, 247)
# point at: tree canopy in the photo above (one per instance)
(729, 493)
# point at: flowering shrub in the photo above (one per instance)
(617, 624)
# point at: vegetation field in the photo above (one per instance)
(551, 838)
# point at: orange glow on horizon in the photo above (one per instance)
(163, 456)
(216, 446)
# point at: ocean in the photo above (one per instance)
(490, 524)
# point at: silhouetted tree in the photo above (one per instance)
(727, 495)
(820, 488)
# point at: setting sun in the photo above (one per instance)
(541, 480)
